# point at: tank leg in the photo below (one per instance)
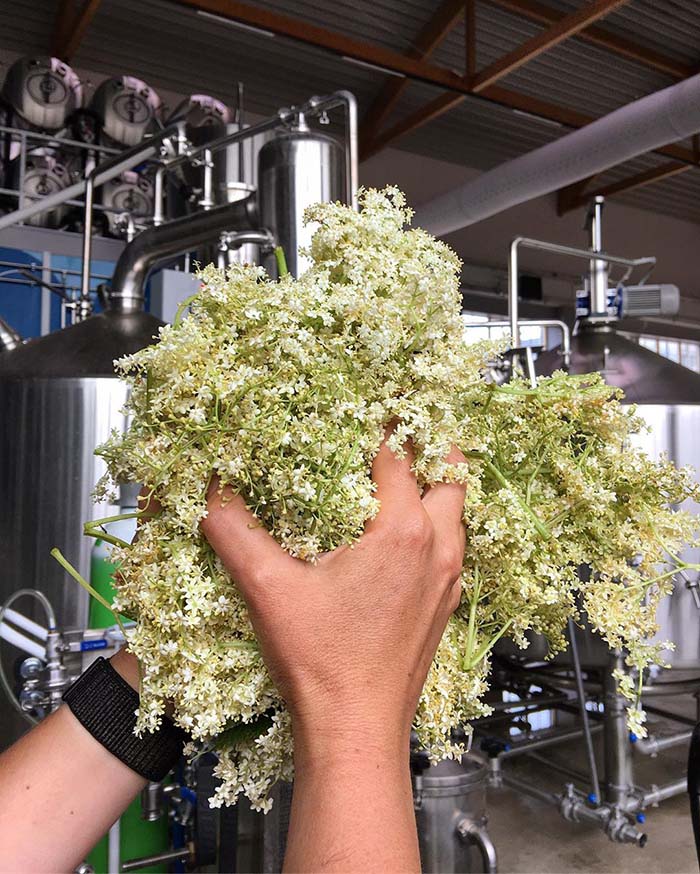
(619, 780)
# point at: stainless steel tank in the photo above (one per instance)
(46, 172)
(668, 399)
(296, 169)
(128, 109)
(59, 399)
(450, 806)
(128, 193)
(42, 91)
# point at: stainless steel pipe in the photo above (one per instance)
(555, 249)
(173, 238)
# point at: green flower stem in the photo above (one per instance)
(68, 567)
(539, 525)
(487, 647)
(282, 268)
(471, 628)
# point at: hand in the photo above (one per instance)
(349, 641)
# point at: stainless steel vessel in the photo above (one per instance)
(42, 91)
(59, 399)
(450, 805)
(128, 109)
(296, 169)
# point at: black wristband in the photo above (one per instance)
(105, 704)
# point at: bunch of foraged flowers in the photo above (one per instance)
(283, 389)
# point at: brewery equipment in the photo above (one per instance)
(296, 169)
(128, 110)
(42, 93)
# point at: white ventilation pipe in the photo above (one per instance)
(647, 124)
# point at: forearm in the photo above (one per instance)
(352, 809)
(62, 791)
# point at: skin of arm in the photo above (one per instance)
(62, 791)
(348, 642)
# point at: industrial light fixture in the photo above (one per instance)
(239, 25)
(374, 67)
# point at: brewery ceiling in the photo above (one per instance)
(566, 62)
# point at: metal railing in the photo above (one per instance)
(168, 149)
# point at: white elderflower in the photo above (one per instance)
(283, 389)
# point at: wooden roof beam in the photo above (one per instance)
(424, 45)
(569, 199)
(543, 14)
(73, 17)
(557, 32)
(564, 28)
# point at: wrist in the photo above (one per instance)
(345, 737)
(127, 666)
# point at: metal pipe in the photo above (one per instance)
(660, 793)
(555, 249)
(158, 186)
(22, 642)
(61, 141)
(651, 746)
(471, 832)
(21, 621)
(590, 752)
(109, 169)
(180, 855)
(529, 789)
(83, 309)
(347, 99)
(540, 742)
(619, 781)
(22, 168)
(173, 238)
(114, 847)
(535, 323)
(207, 201)
(557, 766)
(599, 269)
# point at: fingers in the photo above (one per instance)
(444, 504)
(249, 552)
(147, 504)
(397, 487)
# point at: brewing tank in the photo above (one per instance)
(297, 168)
(59, 399)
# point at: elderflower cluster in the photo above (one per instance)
(283, 389)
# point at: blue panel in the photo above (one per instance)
(20, 305)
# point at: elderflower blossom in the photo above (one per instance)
(283, 389)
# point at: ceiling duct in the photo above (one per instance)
(663, 117)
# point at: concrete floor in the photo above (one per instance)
(532, 838)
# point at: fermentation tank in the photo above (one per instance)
(128, 110)
(59, 399)
(42, 93)
(297, 168)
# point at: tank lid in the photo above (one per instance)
(644, 376)
(449, 776)
(86, 349)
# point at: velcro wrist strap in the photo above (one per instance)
(105, 705)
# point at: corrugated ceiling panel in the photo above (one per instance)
(175, 49)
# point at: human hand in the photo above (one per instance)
(349, 640)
